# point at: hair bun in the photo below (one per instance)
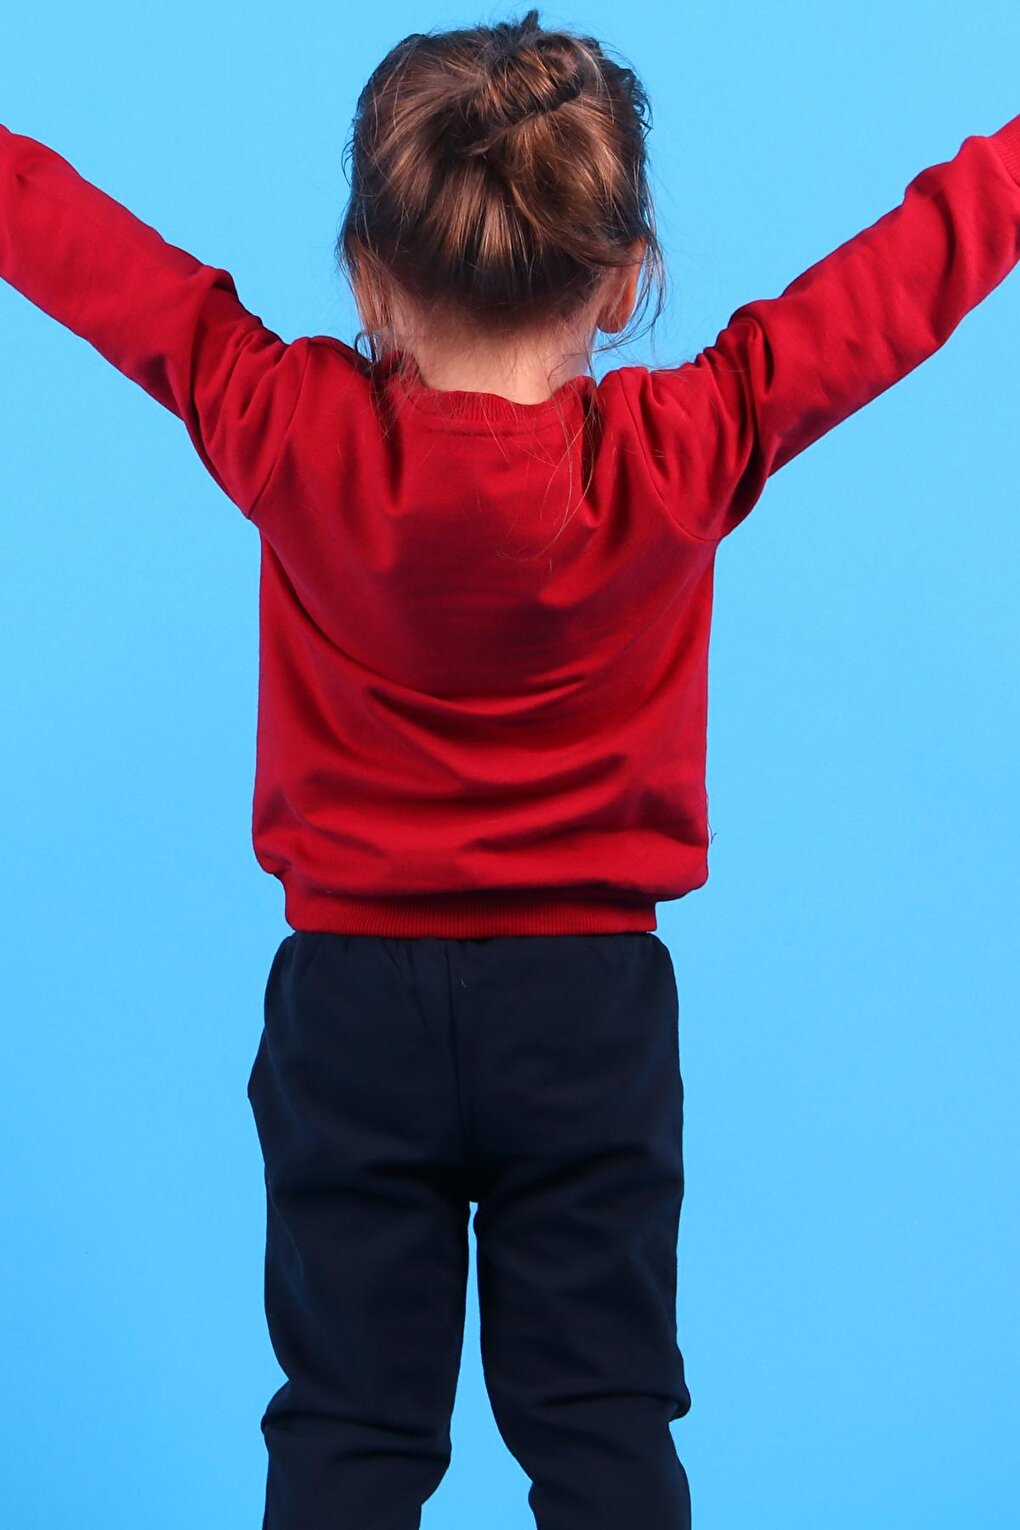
(533, 83)
(522, 83)
(568, 89)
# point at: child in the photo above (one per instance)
(481, 736)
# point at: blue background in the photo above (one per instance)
(848, 977)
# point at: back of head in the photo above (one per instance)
(499, 172)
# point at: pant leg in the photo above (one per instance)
(577, 1107)
(366, 1235)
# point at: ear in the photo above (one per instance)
(621, 292)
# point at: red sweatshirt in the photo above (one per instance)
(484, 626)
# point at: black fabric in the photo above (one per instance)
(396, 1082)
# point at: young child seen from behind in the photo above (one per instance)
(484, 626)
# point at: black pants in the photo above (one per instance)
(398, 1080)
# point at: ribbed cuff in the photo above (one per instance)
(1007, 142)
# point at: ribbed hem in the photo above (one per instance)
(467, 916)
(1007, 143)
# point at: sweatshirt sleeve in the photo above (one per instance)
(173, 325)
(786, 370)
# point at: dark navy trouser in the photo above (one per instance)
(396, 1082)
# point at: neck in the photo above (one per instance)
(523, 376)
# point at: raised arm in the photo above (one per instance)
(173, 325)
(786, 370)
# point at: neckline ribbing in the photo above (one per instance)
(401, 368)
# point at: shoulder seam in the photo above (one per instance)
(687, 530)
(250, 514)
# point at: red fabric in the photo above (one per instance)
(479, 715)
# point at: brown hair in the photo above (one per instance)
(498, 172)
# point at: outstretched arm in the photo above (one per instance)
(172, 324)
(786, 370)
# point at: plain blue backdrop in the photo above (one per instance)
(848, 1279)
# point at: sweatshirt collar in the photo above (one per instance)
(400, 370)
